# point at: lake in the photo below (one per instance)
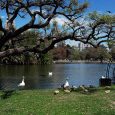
(36, 76)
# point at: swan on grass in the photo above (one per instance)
(66, 85)
(22, 84)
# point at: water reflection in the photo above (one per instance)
(36, 76)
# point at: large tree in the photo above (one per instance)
(42, 14)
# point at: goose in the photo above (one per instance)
(50, 73)
(22, 84)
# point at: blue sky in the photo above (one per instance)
(102, 5)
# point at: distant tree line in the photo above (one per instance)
(90, 53)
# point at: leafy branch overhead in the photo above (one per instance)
(41, 16)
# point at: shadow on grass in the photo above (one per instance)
(7, 93)
(89, 90)
(81, 89)
(86, 90)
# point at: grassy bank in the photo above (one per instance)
(44, 102)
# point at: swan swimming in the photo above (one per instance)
(50, 73)
(103, 77)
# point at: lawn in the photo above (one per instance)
(44, 102)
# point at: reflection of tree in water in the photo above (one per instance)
(44, 81)
(113, 79)
(7, 84)
(110, 71)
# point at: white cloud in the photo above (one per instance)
(2, 17)
(61, 20)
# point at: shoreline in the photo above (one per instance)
(80, 61)
(68, 62)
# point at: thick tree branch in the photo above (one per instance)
(47, 10)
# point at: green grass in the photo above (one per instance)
(44, 102)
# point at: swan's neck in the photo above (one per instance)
(23, 79)
(66, 81)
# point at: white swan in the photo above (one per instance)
(103, 77)
(50, 73)
(66, 84)
(22, 84)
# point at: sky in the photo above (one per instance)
(101, 6)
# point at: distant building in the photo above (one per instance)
(82, 46)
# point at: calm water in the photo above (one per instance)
(36, 76)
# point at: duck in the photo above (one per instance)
(22, 84)
(67, 91)
(107, 91)
(56, 92)
(73, 88)
(50, 73)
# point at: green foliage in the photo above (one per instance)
(111, 44)
(1, 33)
(98, 17)
(112, 52)
(29, 38)
(83, 54)
(101, 54)
(75, 54)
(45, 58)
(109, 19)
(94, 15)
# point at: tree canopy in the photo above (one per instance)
(41, 16)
